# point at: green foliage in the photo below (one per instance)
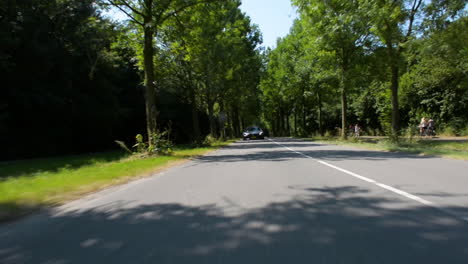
(162, 145)
(219, 78)
(435, 84)
(141, 146)
(394, 62)
(63, 57)
(209, 140)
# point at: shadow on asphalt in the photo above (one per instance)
(264, 150)
(321, 225)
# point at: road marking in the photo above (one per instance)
(381, 185)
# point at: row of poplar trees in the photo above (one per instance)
(382, 64)
(206, 49)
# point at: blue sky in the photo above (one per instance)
(274, 17)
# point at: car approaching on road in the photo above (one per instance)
(253, 133)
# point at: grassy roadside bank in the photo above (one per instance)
(447, 148)
(28, 185)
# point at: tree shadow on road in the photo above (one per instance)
(320, 225)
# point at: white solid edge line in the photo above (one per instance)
(387, 187)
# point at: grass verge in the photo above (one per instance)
(455, 149)
(28, 185)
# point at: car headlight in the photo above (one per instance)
(261, 133)
(245, 134)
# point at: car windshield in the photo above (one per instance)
(253, 129)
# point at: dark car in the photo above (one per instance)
(253, 133)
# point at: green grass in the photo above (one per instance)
(31, 184)
(455, 149)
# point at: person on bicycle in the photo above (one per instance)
(423, 126)
(430, 127)
(357, 130)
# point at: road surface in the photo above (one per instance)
(269, 201)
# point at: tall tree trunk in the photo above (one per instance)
(281, 123)
(319, 113)
(394, 61)
(295, 122)
(275, 124)
(212, 118)
(395, 107)
(195, 122)
(304, 128)
(230, 127)
(242, 122)
(150, 86)
(222, 121)
(237, 122)
(344, 103)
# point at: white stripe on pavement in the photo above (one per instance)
(381, 185)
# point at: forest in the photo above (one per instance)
(74, 80)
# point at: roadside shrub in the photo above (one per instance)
(410, 132)
(209, 140)
(162, 144)
(464, 131)
(140, 145)
(448, 131)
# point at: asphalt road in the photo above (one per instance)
(271, 201)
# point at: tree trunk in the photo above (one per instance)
(394, 59)
(236, 122)
(295, 122)
(150, 87)
(195, 122)
(395, 107)
(242, 122)
(212, 118)
(304, 130)
(221, 121)
(344, 103)
(281, 122)
(319, 113)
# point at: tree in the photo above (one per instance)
(435, 84)
(389, 19)
(341, 27)
(149, 15)
(216, 45)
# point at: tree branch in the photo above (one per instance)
(126, 4)
(414, 9)
(182, 8)
(126, 13)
